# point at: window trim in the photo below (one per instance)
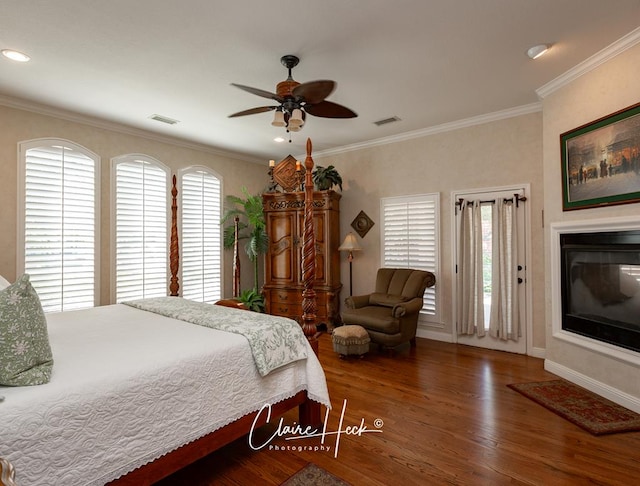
(113, 211)
(23, 147)
(181, 173)
(434, 320)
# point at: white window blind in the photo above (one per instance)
(410, 228)
(201, 242)
(141, 232)
(59, 220)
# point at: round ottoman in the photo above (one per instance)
(350, 339)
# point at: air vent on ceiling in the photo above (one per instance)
(386, 120)
(164, 119)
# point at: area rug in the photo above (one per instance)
(312, 475)
(592, 412)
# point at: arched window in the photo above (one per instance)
(58, 214)
(201, 240)
(140, 229)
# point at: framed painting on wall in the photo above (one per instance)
(601, 161)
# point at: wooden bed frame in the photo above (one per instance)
(308, 410)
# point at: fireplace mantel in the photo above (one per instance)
(585, 226)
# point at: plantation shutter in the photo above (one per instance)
(201, 242)
(410, 239)
(60, 225)
(141, 228)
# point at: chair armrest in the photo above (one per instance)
(431, 280)
(410, 307)
(356, 301)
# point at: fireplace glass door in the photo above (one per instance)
(601, 286)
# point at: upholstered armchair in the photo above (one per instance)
(390, 313)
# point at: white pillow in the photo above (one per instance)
(3, 283)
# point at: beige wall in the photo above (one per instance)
(494, 154)
(522, 149)
(19, 125)
(610, 87)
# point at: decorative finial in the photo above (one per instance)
(308, 162)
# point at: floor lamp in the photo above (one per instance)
(350, 244)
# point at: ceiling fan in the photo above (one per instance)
(296, 100)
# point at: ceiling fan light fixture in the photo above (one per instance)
(278, 119)
(295, 101)
(536, 51)
(296, 118)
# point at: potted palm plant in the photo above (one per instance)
(325, 178)
(251, 227)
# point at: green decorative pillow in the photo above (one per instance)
(25, 354)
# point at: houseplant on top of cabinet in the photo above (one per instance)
(325, 178)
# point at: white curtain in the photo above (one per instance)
(470, 287)
(504, 320)
(504, 317)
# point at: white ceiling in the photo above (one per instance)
(428, 62)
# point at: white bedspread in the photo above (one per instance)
(127, 387)
(274, 341)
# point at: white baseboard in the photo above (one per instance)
(602, 389)
(448, 338)
(435, 335)
(538, 353)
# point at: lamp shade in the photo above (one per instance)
(296, 118)
(278, 119)
(350, 243)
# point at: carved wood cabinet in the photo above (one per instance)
(283, 285)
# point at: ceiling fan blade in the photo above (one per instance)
(259, 92)
(314, 91)
(253, 111)
(327, 109)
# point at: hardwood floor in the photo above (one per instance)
(448, 418)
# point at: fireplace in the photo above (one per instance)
(600, 286)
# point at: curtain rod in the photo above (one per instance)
(516, 197)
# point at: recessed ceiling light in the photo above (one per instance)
(536, 51)
(278, 139)
(15, 55)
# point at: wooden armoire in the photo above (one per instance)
(283, 285)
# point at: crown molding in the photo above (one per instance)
(47, 110)
(606, 54)
(445, 127)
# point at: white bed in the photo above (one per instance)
(129, 386)
(134, 395)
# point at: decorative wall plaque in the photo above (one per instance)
(288, 174)
(362, 224)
